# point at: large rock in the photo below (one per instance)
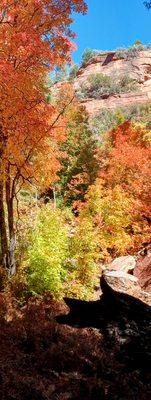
(131, 274)
(119, 274)
(122, 264)
(143, 269)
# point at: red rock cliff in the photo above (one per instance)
(112, 64)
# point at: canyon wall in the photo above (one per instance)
(116, 65)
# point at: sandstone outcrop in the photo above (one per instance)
(115, 66)
(143, 269)
(131, 274)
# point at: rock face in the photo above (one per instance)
(131, 274)
(143, 270)
(112, 64)
(119, 274)
(123, 264)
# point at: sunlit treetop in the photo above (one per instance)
(25, 24)
(35, 36)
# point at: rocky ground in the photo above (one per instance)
(43, 360)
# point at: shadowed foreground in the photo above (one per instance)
(107, 357)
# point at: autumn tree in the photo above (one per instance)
(110, 209)
(129, 163)
(129, 168)
(147, 4)
(79, 164)
(118, 203)
(34, 37)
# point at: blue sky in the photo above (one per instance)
(111, 24)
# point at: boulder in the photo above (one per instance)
(130, 274)
(142, 271)
(119, 274)
(124, 264)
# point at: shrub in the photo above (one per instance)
(111, 212)
(121, 53)
(83, 271)
(108, 119)
(131, 52)
(61, 257)
(103, 122)
(48, 252)
(73, 72)
(97, 86)
(102, 86)
(127, 84)
(87, 56)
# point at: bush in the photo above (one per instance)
(97, 86)
(61, 258)
(48, 252)
(131, 52)
(111, 210)
(104, 121)
(127, 84)
(102, 86)
(87, 56)
(73, 72)
(121, 53)
(83, 275)
(108, 119)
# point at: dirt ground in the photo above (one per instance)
(42, 360)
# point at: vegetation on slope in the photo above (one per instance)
(99, 86)
(74, 194)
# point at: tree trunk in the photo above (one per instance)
(3, 231)
(12, 238)
(3, 225)
(6, 219)
(54, 198)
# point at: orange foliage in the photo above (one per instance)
(129, 164)
(34, 38)
(119, 200)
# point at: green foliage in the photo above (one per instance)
(87, 56)
(73, 72)
(84, 256)
(97, 80)
(103, 123)
(61, 74)
(102, 86)
(111, 212)
(99, 85)
(80, 165)
(48, 252)
(108, 119)
(138, 43)
(60, 257)
(131, 52)
(128, 53)
(116, 214)
(127, 84)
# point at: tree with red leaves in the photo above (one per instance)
(34, 38)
